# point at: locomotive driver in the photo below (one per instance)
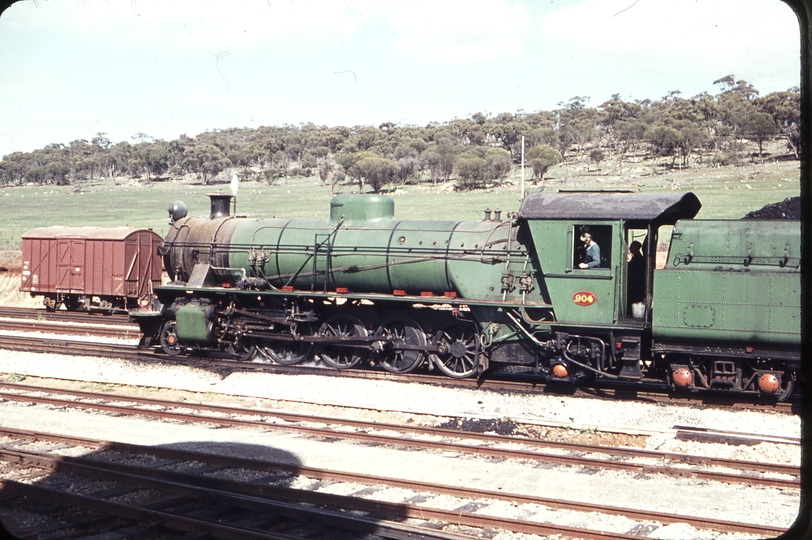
(593, 252)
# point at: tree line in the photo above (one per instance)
(701, 130)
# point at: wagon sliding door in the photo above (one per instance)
(70, 253)
(141, 264)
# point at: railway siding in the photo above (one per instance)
(650, 425)
(591, 484)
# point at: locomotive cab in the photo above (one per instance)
(585, 293)
(601, 296)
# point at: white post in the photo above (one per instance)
(522, 197)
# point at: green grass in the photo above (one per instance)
(728, 192)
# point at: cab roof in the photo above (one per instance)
(664, 208)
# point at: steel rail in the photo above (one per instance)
(72, 347)
(511, 383)
(262, 503)
(134, 513)
(365, 426)
(334, 520)
(70, 328)
(284, 493)
(99, 317)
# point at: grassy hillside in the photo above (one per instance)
(726, 192)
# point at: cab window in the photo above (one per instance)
(592, 247)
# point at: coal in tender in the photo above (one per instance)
(789, 208)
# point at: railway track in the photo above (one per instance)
(180, 474)
(631, 460)
(124, 497)
(223, 365)
(67, 323)
(65, 316)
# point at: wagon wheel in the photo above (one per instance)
(402, 332)
(50, 303)
(286, 353)
(71, 303)
(342, 326)
(169, 339)
(459, 340)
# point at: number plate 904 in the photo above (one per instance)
(584, 298)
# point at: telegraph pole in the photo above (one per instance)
(522, 197)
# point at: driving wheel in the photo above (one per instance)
(287, 352)
(405, 350)
(342, 327)
(458, 341)
(241, 351)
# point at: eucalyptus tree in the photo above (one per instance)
(758, 127)
(347, 160)
(153, 157)
(498, 163)
(665, 140)
(471, 169)
(78, 158)
(366, 136)
(616, 110)
(628, 133)
(596, 155)
(121, 154)
(375, 171)
(440, 158)
(13, 167)
(541, 158)
(691, 138)
(577, 123)
(735, 102)
(205, 160)
(507, 130)
(785, 108)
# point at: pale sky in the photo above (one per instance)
(72, 68)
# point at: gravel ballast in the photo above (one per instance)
(664, 494)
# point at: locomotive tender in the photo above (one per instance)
(500, 295)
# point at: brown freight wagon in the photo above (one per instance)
(91, 268)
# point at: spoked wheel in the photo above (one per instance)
(286, 353)
(241, 351)
(403, 332)
(169, 339)
(343, 326)
(459, 342)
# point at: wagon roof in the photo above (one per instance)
(94, 233)
(665, 208)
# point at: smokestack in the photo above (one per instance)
(220, 205)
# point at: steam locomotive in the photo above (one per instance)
(497, 295)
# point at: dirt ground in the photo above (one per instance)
(10, 295)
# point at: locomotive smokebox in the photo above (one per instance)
(220, 205)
